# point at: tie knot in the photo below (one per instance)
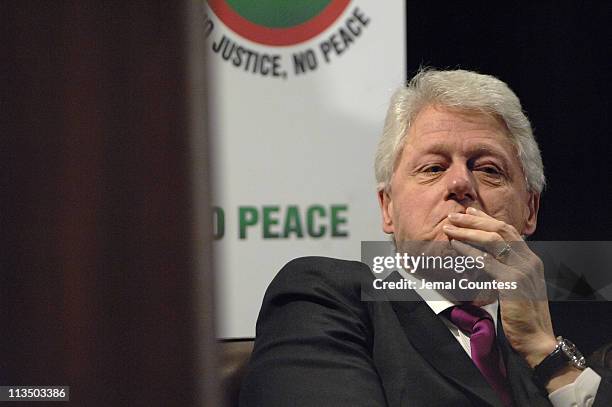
(470, 318)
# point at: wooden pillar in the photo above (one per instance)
(106, 282)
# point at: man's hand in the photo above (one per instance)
(524, 311)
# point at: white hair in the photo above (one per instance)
(462, 90)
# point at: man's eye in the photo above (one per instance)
(490, 170)
(433, 169)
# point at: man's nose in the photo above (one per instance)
(460, 185)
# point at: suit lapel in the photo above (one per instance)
(432, 339)
(524, 390)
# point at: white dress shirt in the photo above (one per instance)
(580, 393)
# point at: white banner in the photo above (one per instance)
(297, 95)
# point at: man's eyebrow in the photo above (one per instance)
(481, 150)
(478, 150)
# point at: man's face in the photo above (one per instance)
(453, 160)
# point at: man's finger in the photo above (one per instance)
(475, 222)
(472, 235)
(468, 250)
(477, 219)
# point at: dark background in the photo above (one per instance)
(104, 285)
(556, 57)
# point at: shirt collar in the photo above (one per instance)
(438, 303)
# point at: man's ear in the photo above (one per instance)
(533, 206)
(386, 209)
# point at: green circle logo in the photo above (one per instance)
(278, 22)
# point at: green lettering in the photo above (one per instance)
(269, 221)
(247, 216)
(310, 215)
(293, 224)
(218, 222)
(337, 220)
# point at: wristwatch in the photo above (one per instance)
(565, 353)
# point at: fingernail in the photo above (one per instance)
(449, 227)
(472, 211)
(454, 215)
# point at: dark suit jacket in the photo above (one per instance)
(318, 344)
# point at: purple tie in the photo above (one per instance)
(485, 354)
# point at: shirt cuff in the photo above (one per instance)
(581, 393)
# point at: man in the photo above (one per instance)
(458, 164)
